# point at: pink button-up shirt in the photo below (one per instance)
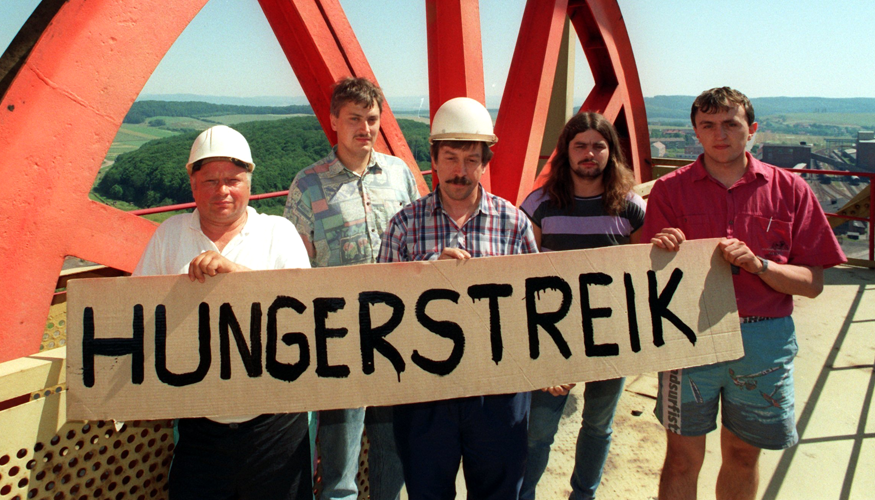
(771, 210)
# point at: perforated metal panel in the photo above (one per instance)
(55, 333)
(90, 460)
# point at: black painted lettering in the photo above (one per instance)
(659, 307)
(492, 291)
(546, 320)
(204, 352)
(113, 347)
(288, 372)
(251, 358)
(446, 329)
(588, 313)
(631, 313)
(374, 339)
(321, 308)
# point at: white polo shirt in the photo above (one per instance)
(266, 242)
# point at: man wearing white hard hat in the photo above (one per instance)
(223, 456)
(341, 206)
(461, 220)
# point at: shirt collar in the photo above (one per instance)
(755, 169)
(434, 204)
(336, 167)
(195, 223)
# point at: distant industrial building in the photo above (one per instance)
(787, 155)
(866, 155)
(657, 150)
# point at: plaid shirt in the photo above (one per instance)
(421, 230)
(343, 214)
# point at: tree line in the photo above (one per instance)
(155, 175)
(143, 110)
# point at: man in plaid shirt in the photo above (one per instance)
(460, 220)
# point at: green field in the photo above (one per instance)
(232, 119)
(866, 120)
(131, 137)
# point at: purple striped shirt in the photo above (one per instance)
(422, 229)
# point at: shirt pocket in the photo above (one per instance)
(767, 237)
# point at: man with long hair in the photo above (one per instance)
(586, 202)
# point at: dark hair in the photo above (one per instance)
(617, 177)
(485, 152)
(720, 99)
(361, 91)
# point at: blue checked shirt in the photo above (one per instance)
(421, 230)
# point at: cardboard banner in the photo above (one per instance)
(384, 334)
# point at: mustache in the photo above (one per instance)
(459, 180)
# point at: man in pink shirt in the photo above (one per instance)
(777, 239)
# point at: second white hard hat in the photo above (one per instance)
(462, 119)
(220, 142)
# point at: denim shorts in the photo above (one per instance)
(756, 390)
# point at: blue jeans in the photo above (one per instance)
(340, 439)
(593, 442)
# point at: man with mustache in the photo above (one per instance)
(341, 206)
(586, 202)
(460, 220)
(230, 456)
(776, 238)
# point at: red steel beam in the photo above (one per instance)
(455, 55)
(57, 121)
(617, 91)
(322, 48)
(526, 100)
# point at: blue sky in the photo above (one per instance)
(763, 48)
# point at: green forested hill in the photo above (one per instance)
(143, 110)
(155, 175)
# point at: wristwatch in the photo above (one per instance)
(765, 268)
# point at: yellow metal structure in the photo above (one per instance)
(42, 455)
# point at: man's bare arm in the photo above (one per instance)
(791, 279)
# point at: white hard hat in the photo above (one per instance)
(462, 119)
(220, 142)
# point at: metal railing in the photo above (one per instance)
(660, 166)
(190, 205)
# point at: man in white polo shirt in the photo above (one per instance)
(252, 456)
